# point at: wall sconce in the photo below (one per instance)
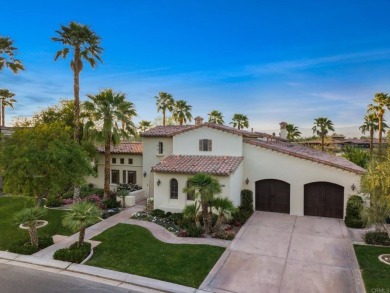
(158, 182)
(353, 187)
(145, 174)
(247, 181)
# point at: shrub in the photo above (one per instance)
(353, 217)
(73, 253)
(158, 213)
(25, 247)
(225, 235)
(377, 238)
(193, 231)
(111, 203)
(247, 199)
(245, 210)
(54, 201)
(149, 204)
(68, 201)
(176, 218)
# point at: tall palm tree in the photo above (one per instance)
(205, 187)
(181, 112)
(382, 103)
(85, 45)
(107, 110)
(30, 216)
(322, 126)
(6, 100)
(216, 117)
(292, 132)
(371, 124)
(240, 121)
(82, 215)
(7, 55)
(224, 208)
(164, 102)
(144, 125)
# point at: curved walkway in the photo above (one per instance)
(164, 235)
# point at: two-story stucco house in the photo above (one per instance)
(284, 177)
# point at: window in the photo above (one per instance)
(131, 177)
(115, 176)
(174, 189)
(190, 195)
(160, 148)
(205, 145)
(130, 161)
(124, 176)
(113, 160)
(122, 161)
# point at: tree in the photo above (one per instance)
(240, 121)
(30, 216)
(322, 126)
(107, 110)
(7, 56)
(292, 132)
(216, 117)
(224, 208)
(191, 211)
(6, 100)
(356, 155)
(181, 112)
(164, 102)
(144, 125)
(41, 161)
(382, 102)
(82, 215)
(371, 124)
(85, 45)
(205, 187)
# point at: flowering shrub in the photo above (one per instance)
(67, 201)
(96, 200)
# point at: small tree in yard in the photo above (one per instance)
(224, 208)
(82, 215)
(191, 211)
(29, 217)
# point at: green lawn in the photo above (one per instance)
(376, 275)
(133, 249)
(9, 231)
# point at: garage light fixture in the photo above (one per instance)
(247, 181)
(145, 174)
(158, 182)
(353, 187)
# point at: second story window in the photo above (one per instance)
(130, 161)
(160, 148)
(113, 160)
(122, 161)
(205, 145)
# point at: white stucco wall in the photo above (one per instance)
(151, 158)
(260, 163)
(162, 198)
(223, 143)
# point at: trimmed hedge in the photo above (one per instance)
(377, 238)
(245, 210)
(73, 253)
(25, 247)
(353, 218)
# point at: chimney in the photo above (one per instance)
(198, 120)
(283, 130)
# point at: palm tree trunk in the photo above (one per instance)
(76, 92)
(81, 237)
(380, 118)
(371, 139)
(32, 231)
(163, 111)
(107, 168)
(197, 222)
(2, 115)
(322, 142)
(206, 219)
(218, 224)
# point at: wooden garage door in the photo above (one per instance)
(273, 196)
(324, 199)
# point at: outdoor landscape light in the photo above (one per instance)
(247, 181)
(158, 182)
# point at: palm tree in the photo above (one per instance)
(144, 125)
(164, 102)
(292, 132)
(382, 102)
(85, 45)
(216, 117)
(30, 216)
(371, 124)
(106, 111)
(82, 215)
(191, 211)
(205, 187)
(181, 112)
(7, 56)
(224, 208)
(240, 121)
(322, 125)
(6, 99)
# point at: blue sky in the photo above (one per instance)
(271, 60)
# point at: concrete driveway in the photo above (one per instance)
(283, 253)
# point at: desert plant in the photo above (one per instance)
(29, 217)
(191, 211)
(224, 208)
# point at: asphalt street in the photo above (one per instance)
(15, 279)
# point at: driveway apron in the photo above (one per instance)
(283, 253)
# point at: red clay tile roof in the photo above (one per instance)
(216, 165)
(308, 153)
(171, 130)
(134, 148)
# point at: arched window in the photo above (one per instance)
(174, 189)
(191, 194)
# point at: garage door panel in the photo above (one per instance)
(273, 196)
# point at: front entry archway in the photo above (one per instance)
(272, 195)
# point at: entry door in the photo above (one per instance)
(273, 196)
